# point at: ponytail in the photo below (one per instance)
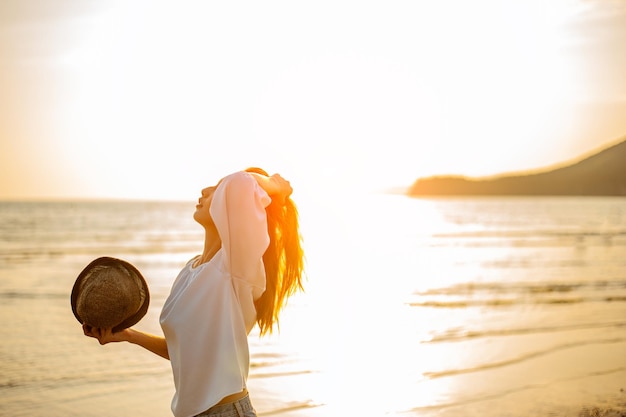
(283, 261)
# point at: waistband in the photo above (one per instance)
(234, 408)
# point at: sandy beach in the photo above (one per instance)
(470, 312)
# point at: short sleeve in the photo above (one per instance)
(238, 211)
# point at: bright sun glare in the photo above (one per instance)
(327, 108)
(147, 100)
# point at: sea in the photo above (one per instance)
(483, 306)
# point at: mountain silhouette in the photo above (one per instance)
(602, 174)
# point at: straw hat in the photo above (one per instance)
(110, 294)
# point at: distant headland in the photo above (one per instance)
(602, 174)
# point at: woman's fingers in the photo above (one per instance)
(103, 335)
(284, 186)
(86, 330)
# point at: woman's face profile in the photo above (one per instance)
(202, 214)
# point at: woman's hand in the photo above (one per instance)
(275, 186)
(105, 336)
(283, 187)
(155, 344)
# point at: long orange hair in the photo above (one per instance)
(283, 260)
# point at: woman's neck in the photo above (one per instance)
(212, 243)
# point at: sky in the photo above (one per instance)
(156, 100)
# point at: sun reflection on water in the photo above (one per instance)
(354, 327)
(426, 307)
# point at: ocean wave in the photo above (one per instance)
(279, 374)
(523, 287)
(456, 335)
(534, 233)
(29, 295)
(22, 255)
(496, 294)
(529, 238)
(521, 358)
(506, 392)
(508, 302)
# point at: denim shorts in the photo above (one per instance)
(240, 408)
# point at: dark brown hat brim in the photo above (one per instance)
(112, 262)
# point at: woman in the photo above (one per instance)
(251, 263)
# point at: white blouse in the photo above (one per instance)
(210, 310)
